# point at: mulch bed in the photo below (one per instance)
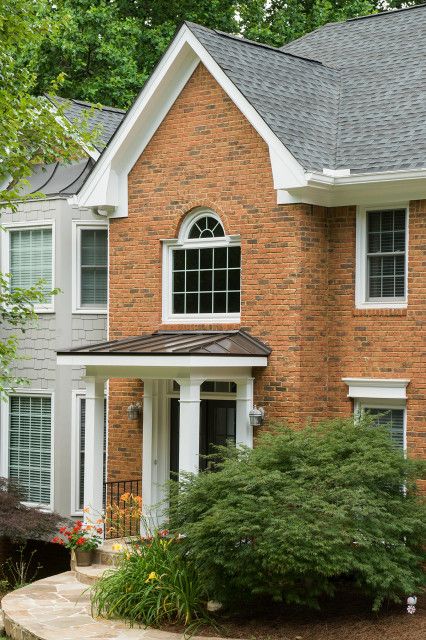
(346, 618)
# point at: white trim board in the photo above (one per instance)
(159, 362)
(377, 388)
(106, 186)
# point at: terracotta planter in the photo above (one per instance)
(83, 558)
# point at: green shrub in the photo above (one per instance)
(303, 511)
(153, 585)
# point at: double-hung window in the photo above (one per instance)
(202, 273)
(391, 417)
(91, 269)
(382, 257)
(30, 439)
(29, 260)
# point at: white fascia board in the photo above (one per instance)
(158, 361)
(361, 189)
(378, 388)
(107, 184)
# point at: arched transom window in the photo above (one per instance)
(203, 272)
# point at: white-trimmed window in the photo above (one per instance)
(385, 401)
(90, 291)
(30, 446)
(79, 424)
(202, 272)
(28, 255)
(382, 253)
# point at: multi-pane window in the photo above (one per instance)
(206, 280)
(30, 259)
(93, 267)
(392, 418)
(203, 272)
(30, 426)
(386, 248)
(81, 448)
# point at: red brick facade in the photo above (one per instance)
(298, 273)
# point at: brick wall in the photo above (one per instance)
(297, 269)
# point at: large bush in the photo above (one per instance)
(153, 585)
(302, 512)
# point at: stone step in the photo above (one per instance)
(90, 575)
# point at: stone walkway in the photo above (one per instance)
(58, 608)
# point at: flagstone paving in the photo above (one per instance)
(58, 608)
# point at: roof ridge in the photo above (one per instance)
(381, 14)
(93, 105)
(261, 45)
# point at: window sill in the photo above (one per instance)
(90, 312)
(381, 312)
(44, 310)
(198, 319)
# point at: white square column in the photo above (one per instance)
(94, 448)
(244, 431)
(189, 424)
(147, 449)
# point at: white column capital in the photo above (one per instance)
(189, 389)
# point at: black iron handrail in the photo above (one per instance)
(121, 519)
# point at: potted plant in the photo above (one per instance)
(82, 540)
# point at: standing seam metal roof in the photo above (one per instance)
(227, 343)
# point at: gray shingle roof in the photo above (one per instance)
(296, 97)
(66, 179)
(107, 119)
(363, 108)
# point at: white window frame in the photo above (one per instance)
(77, 227)
(4, 440)
(184, 242)
(361, 270)
(77, 396)
(5, 253)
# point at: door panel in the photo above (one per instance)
(217, 426)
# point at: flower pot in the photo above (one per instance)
(83, 558)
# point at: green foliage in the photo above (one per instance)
(153, 585)
(107, 49)
(32, 128)
(302, 511)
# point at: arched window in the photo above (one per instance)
(203, 272)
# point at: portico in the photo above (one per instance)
(174, 366)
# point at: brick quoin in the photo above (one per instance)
(298, 274)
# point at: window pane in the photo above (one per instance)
(192, 288)
(31, 258)
(179, 281)
(30, 446)
(94, 267)
(392, 418)
(386, 253)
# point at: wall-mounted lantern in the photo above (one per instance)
(257, 416)
(134, 411)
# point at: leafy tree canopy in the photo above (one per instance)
(108, 48)
(32, 131)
